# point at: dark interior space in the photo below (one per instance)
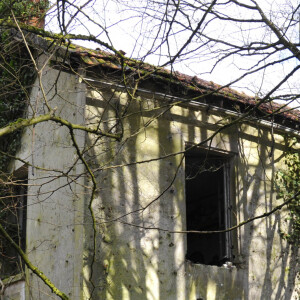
(13, 219)
(206, 208)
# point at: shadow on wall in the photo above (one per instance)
(212, 282)
(269, 262)
(131, 262)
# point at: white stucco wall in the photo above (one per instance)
(132, 262)
(136, 263)
(14, 291)
(55, 205)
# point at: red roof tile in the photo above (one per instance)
(112, 61)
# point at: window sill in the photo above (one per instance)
(228, 266)
(13, 279)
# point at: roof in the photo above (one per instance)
(104, 59)
(189, 85)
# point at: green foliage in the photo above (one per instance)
(23, 9)
(16, 77)
(288, 184)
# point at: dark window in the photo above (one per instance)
(13, 203)
(207, 207)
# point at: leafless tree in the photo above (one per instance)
(246, 45)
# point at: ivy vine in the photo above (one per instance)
(16, 78)
(288, 184)
(24, 10)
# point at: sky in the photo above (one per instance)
(138, 30)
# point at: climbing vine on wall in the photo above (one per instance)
(16, 70)
(24, 10)
(288, 184)
(16, 78)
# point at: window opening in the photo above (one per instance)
(13, 203)
(207, 207)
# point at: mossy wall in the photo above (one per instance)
(137, 263)
(54, 202)
(132, 261)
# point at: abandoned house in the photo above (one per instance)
(104, 213)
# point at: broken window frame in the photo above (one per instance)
(226, 251)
